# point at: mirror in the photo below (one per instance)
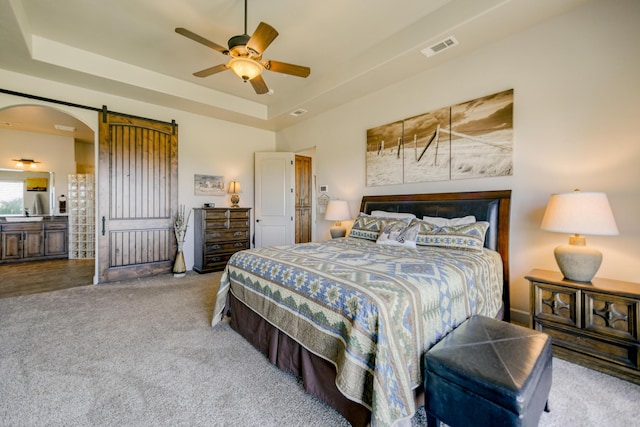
(37, 195)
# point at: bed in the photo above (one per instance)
(353, 317)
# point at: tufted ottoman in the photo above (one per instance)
(488, 373)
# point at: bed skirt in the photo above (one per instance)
(318, 375)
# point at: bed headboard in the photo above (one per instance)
(491, 206)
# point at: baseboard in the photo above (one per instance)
(520, 317)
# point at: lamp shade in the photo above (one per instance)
(234, 187)
(245, 68)
(337, 210)
(580, 212)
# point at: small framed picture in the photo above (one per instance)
(209, 185)
(36, 184)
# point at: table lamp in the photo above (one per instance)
(337, 210)
(234, 189)
(579, 213)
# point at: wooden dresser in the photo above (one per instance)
(219, 233)
(594, 324)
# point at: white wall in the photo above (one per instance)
(577, 92)
(56, 154)
(205, 145)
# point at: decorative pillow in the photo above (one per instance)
(385, 214)
(468, 236)
(399, 235)
(368, 227)
(447, 222)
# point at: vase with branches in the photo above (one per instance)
(180, 223)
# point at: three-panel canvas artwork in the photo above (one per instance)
(472, 139)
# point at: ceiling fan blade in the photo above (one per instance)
(261, 39)
(209, 71)
(259, 85)
(193, 36)
(283, 67)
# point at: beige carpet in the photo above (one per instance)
(143, 353)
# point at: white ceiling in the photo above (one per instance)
(353, 47)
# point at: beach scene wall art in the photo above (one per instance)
(472, 139)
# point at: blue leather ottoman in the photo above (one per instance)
(488, 373)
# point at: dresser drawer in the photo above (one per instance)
(227, 223)
(216, 262)
(217, 248)
(225, 235)
(611, 315)
(222, 214)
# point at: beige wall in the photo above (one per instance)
(576, 107)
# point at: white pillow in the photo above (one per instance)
(398, 235)
(449, 222)
(384, 214)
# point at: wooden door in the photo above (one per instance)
(138, 197)
(274, 199)
(303, 199)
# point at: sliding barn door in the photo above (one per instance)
(138, 197)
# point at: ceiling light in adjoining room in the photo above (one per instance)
(298, 112)
(22, 163)
(245, 68)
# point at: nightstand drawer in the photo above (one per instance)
(611, 315)
(625, 354)
(556, 304)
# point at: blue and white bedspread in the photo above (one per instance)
(371, 310)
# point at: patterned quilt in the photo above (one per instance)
(371, 310)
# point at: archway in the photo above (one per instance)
(63, 144)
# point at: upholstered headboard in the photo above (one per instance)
(491, 206)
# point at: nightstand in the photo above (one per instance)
(593, 324)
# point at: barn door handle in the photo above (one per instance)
(103, 221)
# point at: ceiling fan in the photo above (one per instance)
(246, 55)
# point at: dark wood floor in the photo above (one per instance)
(44, 276)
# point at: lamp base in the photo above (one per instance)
(338, 232)
(235, 199)
(578, 263)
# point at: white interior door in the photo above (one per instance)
(274, 199)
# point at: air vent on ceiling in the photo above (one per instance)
(440, 46)
(298, 112)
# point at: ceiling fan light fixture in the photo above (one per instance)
(245, 68)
